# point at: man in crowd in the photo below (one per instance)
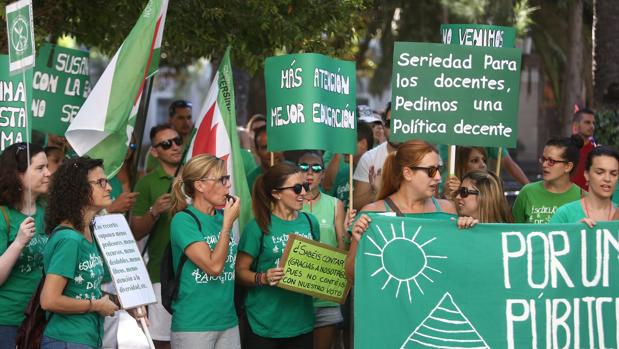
(260, 141)
(150, 218)
(583, 125)
(181, 121)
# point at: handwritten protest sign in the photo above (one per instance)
(478, 35)
(427, 284)
(13, 94)
(314, 269)
(124, 261)
(467, 95)
(60, 86)
(311, 103)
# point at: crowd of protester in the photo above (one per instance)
(227, 297)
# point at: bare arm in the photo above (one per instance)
(340, 216)
(514, 170)
(54, 301)
(142, 225)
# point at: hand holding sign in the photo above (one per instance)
(274, 276)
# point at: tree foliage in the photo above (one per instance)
(256, 29)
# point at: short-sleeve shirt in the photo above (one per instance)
(71, 256)
(374, 157)
(569, 213)
(16, 291)
(274, 312)
(204, 302)
(151, 187)
(536, 205)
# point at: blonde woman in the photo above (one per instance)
(204, 314)
(480, 199)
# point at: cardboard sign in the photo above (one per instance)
(314, 269)
(311, 103)
(20, 32)
(460, 94)
(13, 116)
(124, 261)
(60, 85)
(478, 35)
(427, 284)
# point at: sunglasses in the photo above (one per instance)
(167, 144)
(431, 171)
(102, 182)
(223, 179)
(551, 162)
(297, 188)
(316, 168)
(465, 192)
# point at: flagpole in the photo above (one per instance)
(350, 190)
(138, 130)
(29, 195)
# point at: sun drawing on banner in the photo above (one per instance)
(415, 268)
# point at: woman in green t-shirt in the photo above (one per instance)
(23, 180)
(203, 311)
(538, 201)
(277, 318)
(601, 172)
(411, 176)
(480, 199)
(330, 213)
(73, 266)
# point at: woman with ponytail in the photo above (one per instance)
(204, 314)
(411, 176)
(277, 318)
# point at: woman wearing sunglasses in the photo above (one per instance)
(538, 201)
(277, 318)
(22, 233)
(330, 213)
(601, 172)
(411, 176)
(72, 263)
(467, 159)
(480, 199)
(204, 315)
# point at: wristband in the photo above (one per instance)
(89, 306)
(258, 279)
(152, 214)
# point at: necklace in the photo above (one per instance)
(584, 204)
(311, 201)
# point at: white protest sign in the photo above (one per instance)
(124, 260)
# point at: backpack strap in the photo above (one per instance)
(184, 256)
(311, 227)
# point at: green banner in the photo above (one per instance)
(427, 284)
(20, 32)
(311, 103)
(478, 35)
(13, 94)
(60, 85)
(314, 269)
(466, 95)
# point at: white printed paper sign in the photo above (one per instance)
(124, 260)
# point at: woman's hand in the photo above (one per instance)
(26, 231)
(361, 225)
(452, 185)
(104, 306)
(274, 275)
(350, 217)
(465, 222)
(589, 222)
(232, 210)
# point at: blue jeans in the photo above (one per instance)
(7, 337)
(50, 343)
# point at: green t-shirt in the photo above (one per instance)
(249, 163)
(535, 204)
(117, 188)
(151, 187)
(16, 291)
(71, 256)
(341, 185)
(251, 177)
(274, 312)
(569, 213)
(204, 303)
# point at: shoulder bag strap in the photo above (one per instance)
(393, 206)
(6, 220)
(311, 226)
(184, 256)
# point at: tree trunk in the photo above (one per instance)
(605, 54)
(573, 82)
